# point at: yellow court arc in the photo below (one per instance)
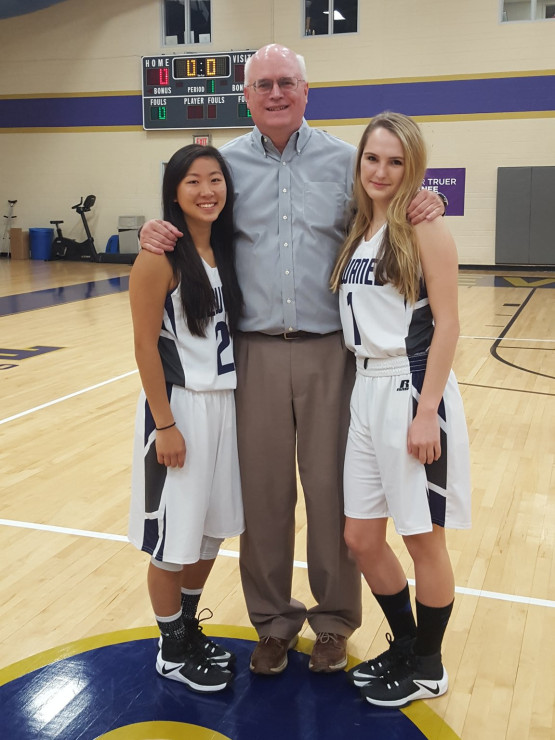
(162, 731)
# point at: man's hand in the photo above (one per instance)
(159, 236)
(426, 206)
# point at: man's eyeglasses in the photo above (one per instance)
(286, 84)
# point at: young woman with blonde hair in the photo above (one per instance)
(407, 453)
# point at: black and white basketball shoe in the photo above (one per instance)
(190, 666)
(419, 677)
(397, 652)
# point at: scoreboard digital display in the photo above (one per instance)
(195, 91)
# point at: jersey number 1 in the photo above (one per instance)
(356, 332)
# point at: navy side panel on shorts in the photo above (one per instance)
(436, 472)
(155, 477)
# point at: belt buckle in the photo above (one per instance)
(286, 333)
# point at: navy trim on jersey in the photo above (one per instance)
(173, 369)
(168, 306)
(421, 328)
(174, 372)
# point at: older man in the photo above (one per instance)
(292, 187)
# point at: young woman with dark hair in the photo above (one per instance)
(186, 495)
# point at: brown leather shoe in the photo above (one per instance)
(270, 655)
(329, 653)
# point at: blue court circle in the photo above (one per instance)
(100, 686)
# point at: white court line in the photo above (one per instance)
(65, 398)
(297, 563)
(505, 339)
(64, 530)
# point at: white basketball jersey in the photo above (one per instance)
(197, 363)
(377, 321)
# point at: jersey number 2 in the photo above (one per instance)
(222, 332)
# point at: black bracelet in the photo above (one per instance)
(161, 429)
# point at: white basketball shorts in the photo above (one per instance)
(172, 508)
(381, 479)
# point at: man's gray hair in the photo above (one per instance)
(300, 60)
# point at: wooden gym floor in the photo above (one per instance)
(69, 388)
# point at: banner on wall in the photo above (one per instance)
(449, 181)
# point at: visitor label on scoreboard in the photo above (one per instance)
(449, 181)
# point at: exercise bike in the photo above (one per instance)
(7, 228)
(64, 248)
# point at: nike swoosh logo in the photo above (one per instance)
(165, 670)
(431, 689)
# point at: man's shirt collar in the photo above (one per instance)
(297, 142)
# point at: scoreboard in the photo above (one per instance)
(195, 91)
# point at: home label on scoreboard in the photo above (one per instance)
(195, 91)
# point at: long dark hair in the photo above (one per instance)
(197, 296)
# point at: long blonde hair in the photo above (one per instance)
(397, 261)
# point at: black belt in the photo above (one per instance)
(299, 335)
(292, 334)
